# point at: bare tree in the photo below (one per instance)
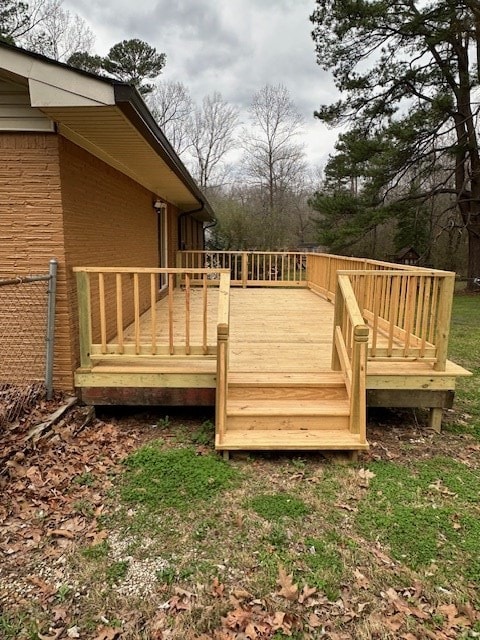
(211, 137)
(19, 19)
(59, 33)
(172, 107)
(273, 158)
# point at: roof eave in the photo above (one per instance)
(132, 105)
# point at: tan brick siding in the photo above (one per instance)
(57, 200)
(109, 220)
(31, 229)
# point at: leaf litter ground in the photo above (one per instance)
(129, 527)
(132, 527)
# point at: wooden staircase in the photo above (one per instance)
(290, 411)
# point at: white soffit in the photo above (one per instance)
(108, 134)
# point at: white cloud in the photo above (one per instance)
(234, 47)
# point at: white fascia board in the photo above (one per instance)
(50, 82)
(47, 95)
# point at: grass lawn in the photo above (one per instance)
(180, 544)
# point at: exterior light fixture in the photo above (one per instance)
(159, 205)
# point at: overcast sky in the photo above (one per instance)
(231, 46)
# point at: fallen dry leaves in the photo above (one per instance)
(43, 485)
(52, 496)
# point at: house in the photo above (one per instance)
(407, 255)
(289, 346)
(87, 177)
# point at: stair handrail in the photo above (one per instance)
(349, 353)
(223, 331)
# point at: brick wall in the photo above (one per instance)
(109, 220)
(31, 228)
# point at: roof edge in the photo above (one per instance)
(130, 102)
(128, 99)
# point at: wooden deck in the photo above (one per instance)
(282, 392)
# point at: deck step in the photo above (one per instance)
(290, 440)
(288, 393)
(287, 402)
(285, 379)
(288, 407)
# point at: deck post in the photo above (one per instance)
(358, 400)
(244, 269)
(435, 419)
(445, 298)
(84, 318)
(337, 322)
(222, 381)
(179, 265)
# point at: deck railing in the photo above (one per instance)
(113, 299)
(252, 268)
(350, 343)
(408, 312)
(223, 336)
(322, 269)
(407, 307)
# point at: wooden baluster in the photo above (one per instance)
(170, 314)
(205, 314)
(361, 294)
(119, 298)
(377, 299)
(402, 302)
(409, 312)
(433, 310)
(393, 309)
(222, 381)
(103, 319)
(338, 320)
(153, 311)
(187, 314)
(136, 307)
(383, 296)
(425, 315)
(419, 306)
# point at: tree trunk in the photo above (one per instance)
(473, 270)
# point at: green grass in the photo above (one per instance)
(427, 515)
(175, 478)
(464, 349)
(276, 506)
(117, 571)
(17, 627)
(325, 566)
(96, 551)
